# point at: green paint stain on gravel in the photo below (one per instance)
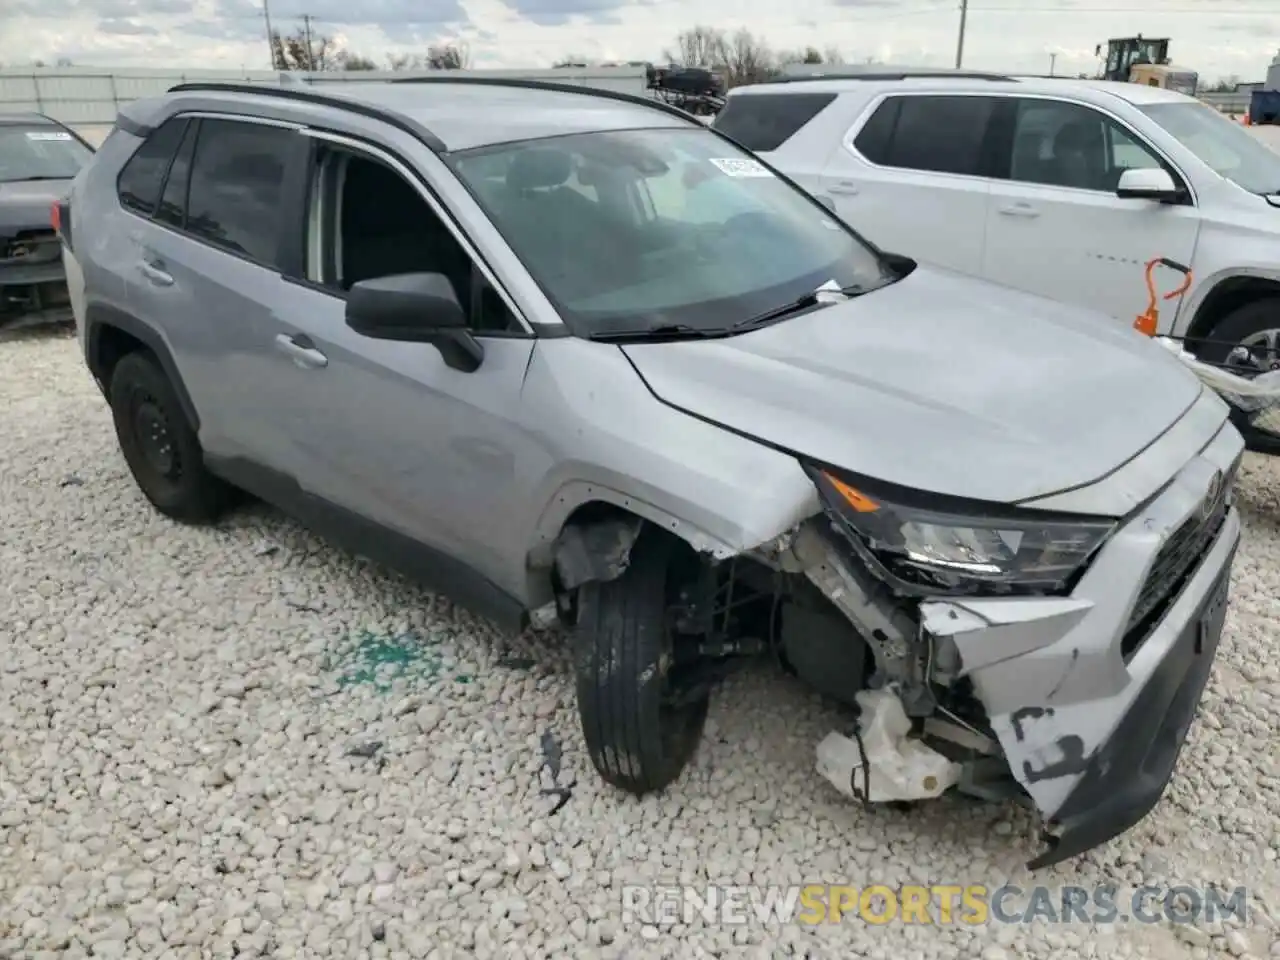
(381, 659)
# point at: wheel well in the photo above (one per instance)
(596, 539)
(1227, 297)
(111, 345)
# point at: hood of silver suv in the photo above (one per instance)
(939, 382)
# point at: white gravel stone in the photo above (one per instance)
(240, 741)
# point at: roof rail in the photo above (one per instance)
(306, 94)
(939, 74)
(552, 86)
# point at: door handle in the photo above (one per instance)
(844, 188)
(300, 349)
(1020, 210)
(156, 273)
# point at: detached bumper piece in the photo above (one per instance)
(33, 281)
(1126, 778)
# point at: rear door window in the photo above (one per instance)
(936, 134)
(143, 175)
(765, 121)
(236, 188)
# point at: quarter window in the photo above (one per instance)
(143, 175)
(936, 134)
(236, 188)
(1070, 145)
(765, 121)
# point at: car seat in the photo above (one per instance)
(1079, 156)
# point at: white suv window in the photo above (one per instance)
(765, 121)
(937, 134)
(1070, 145)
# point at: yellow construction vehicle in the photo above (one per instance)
(1145, 60)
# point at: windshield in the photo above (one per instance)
(39, 151)
(636, 229)
(1226, 147)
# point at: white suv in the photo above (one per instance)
(1059, 187)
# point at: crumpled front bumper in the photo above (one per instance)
(1090, 707)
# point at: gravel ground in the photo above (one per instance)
(241, 741)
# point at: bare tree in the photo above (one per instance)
(805, 55)
(570, 60)
(443, 56)
(747, 59)
(1224, 85)
(699, 46)
(297, 51)
(448, 56)
(354, 61)
(832, 55)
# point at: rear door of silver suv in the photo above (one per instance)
(206, 272)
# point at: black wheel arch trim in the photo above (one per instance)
(1227, 295)
(99, 317)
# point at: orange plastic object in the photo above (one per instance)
(1149, 320)
(855, 497)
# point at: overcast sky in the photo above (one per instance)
(1216, 37)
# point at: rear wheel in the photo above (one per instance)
(159, 445)
(641, 724)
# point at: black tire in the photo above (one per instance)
(622, 653)
(159, 445)
(1237, 326)
(1231, 330)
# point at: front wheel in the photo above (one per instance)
(1256, 326)
(639, 729)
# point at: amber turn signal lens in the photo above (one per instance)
(858, 500)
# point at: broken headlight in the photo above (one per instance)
(1007, 551)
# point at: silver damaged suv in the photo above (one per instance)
(572, 356)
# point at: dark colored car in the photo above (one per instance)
(38, 159)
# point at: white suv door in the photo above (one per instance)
(1055, 226)
(908, 176)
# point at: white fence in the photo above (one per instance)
(87, 99)
(1235, 102)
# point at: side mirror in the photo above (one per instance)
(415, 308)
(1148, 184)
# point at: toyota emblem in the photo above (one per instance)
(1211, 496)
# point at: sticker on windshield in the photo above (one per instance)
(45, 135)
(734, 167)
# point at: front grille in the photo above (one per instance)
(1175, 563)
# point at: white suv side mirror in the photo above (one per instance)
(1148, 184)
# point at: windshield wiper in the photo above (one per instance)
(810, 299)
(665, 331)
(38, 176)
